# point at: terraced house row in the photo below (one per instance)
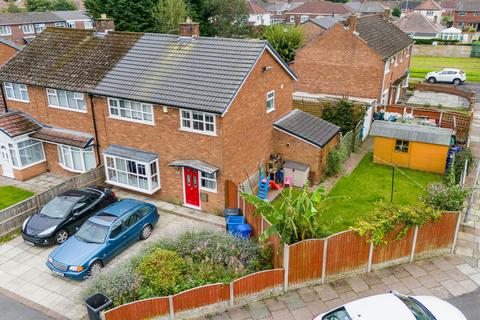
(179, 118)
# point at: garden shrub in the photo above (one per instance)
(162, 271)
(120, 284)
(344, 114)
(335, 160)
(446, 197)
(459, 162)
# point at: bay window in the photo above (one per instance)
(196, 121)
(66, 100)
(132, 174)
(16, 91)
(130, 110)
(76, 159)
(26, 153)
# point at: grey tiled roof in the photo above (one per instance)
(327, 22)
(72, 15)
(468, 5)
(411, 132)
(367, 6)
(419, 24)
(28, 17)
(130, 153)
(64, 136)
(381, 35)
(193, 73)
(307, 127)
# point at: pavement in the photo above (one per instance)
(469, 304)
(12, 309)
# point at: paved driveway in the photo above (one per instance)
(23, 270)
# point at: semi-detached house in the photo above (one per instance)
(179, 118)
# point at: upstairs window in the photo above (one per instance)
(39, 27)
(130, 110)
(71, 24)
(28, 29)
(66, 100)
(462, 13)
(5, 31)
(16, 91)
(429, 13)
(196, 121)
(270, 101)
(60, 24)
(387, 66)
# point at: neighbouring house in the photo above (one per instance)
(418, 26)
(451, 33)
(449, 7)
(418, 147)
(257, 15)
(21, 28)
(163, 124)
(467, 16)
(315, 9)
(430, 9)
(278, 9)
(7, 50)
(313, 27)
(306, 139)
(367, 7)
(365, 57)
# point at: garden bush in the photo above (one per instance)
(446, 197)
(335, 160)
(344, 114)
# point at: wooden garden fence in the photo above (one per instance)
(11, 218)
(308, 261)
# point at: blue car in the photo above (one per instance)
(102, 237)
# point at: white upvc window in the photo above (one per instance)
(383, 101)
(88, 24)
(26, 153)
(208, 182)
(429, 13)
(387, 66)
(270, 101)
(68, 100)
(28, 29)
(16, 92)
(39, 27)
(76, 159)
(132, 174)
(5, 31)
(60, 24)
(71, 24)
(462, 13)
(196, 121)
(130, 110)
(303, 18)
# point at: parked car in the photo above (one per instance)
(395, 306)
(455, 76)
(60, 217)
(102, 237)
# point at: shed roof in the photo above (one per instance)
(307, 127)
(411, 132)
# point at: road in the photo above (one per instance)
(11, 309)
(469, 304)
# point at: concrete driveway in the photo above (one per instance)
(23, 271)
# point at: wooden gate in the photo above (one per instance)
(231, 194)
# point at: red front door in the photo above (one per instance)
(191, 186)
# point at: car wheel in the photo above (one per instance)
(432, 80)
(61, 236)
(457, 82)
(146, 232)
(94, 268)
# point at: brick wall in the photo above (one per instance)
(30, 172)
(469, 19)
(6, 52)
(18, 35)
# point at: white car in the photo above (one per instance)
(395, 306)
(455, 76)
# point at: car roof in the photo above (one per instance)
(379, 307)
(451, 69)
(81, 192)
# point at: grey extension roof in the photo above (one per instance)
(307, 127)
(195, 164)
(327, 22)
(72, 15)
(194, 73)
(130, 153)
(411, 132)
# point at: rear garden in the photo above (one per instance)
(10, 195)
(421, 65)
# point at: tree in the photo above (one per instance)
(284, 39)
(129, 15)
(38, 5)
(168, 14)
(396, 12)
(344, 114)
(63, 5)
(12, 7)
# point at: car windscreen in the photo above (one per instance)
(92, 232)
(418, 310)
(59, 207)
(337, 314)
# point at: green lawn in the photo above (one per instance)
(10, 195)
(421, 65)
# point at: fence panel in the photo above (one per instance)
(394, 249)
(346, 251)
(305, 261)
(143, 309)
(201, 296)
(438, 234)
(276, 244)
(254, 221)
(258, 282)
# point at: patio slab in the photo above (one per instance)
(38, 184)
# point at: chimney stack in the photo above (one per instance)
(104, 24)
(189, 28)
(387, 13)
(352, 22)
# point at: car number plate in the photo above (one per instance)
(30, 243)
(59, 274)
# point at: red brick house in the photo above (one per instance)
(315, 9)
(21, 28)
(7, 50)
(176, 118)
(365, 57)
(466, 16)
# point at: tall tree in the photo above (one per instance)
(13, 8)
(38, 5)
(168, 14)
(284, 39)
(396, 12)
(129, 15)
(63, 5)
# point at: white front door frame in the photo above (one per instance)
(5, 160)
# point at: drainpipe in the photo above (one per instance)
(95, 129)
(3, 97)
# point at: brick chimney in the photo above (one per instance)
(352, 22)
(387, 13)
(104, 24)
(189, 29)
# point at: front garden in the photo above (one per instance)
(10, 195)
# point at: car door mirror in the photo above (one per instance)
(77, 212)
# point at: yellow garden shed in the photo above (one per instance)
(413, 146)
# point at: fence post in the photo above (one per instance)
(414, 243)
(324, 259)
(370, 257)
(170, 307)
(286, 258)
(232, 298)
(457, 228)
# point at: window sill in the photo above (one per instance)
(70, 169)
(205, 133)
(132, 120)
(129, 187)
(67, 109)
(271, 110)
(208, 190)
(17, 100)
(28, 166)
